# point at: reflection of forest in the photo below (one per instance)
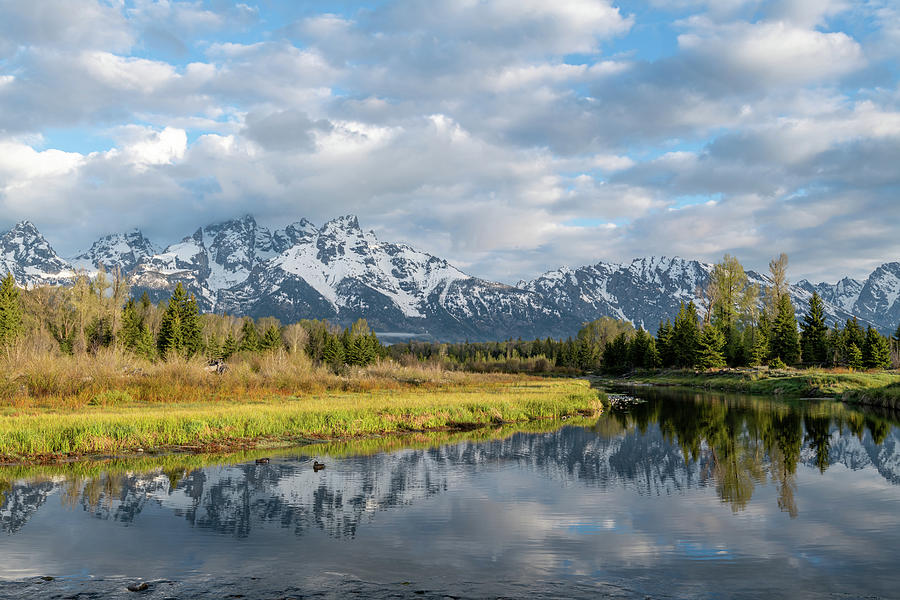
(670, 443)
(743, 441)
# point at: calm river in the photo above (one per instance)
(683, 495)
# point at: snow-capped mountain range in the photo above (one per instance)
(340, 272)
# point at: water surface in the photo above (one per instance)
(684, 495)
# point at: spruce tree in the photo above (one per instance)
(271, 339)
(229, 346)
(759, 353)
(169, 338)
(10, 310)
(191, 329)
(685, 335)
(664, 344)
(333, 353)
(814, 333)
(854, 334)
(784, 343)
(854, 357)
(836, 346)
(130, 329)
(876, 352)
(249, 336)
(710, 348)
(180, 329)
(146, 345)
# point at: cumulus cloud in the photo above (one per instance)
(508, 136)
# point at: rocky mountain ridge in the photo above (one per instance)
(340, 272)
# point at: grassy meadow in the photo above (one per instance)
(112, 402)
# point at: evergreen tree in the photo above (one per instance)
(249, 336)
(10, 310)
(333, 353)
(130, 329)
(169, 338)
(685, 335)
(854, 334)
(759, 352)
(180, 330)
(814, 333)
(642, 352)
(784, 343)
(191, 329)
(664, 344)
(146, 345)
(213, 348)
(272, 339)
(710, 348)
(854, 357)
(615, 354)
(174, 341)
(876, 352)
(836, 346)
(230, 345)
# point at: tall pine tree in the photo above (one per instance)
(710, 350)
(784, 342)
(876, 351)
(685, 336)
(180, 330)
(814, 333)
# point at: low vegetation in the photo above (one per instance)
(93, 405)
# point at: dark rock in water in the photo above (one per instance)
(262, 461)
(47, 578)
(138, 587)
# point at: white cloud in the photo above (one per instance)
(774, 52)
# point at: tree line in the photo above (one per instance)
(97, 312)
(730, 322)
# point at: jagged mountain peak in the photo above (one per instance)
(346, 223)
(25, 227)
(116, 250)
(341, 272)
(31, 259)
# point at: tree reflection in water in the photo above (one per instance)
(674, 441)
(742, 441)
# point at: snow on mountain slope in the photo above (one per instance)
(342, 273)
(646, 291)
(879, 298)
(118, 250)
(26, 254)
(214, 258)
(843, 294)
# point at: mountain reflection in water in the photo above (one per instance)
(551, 491)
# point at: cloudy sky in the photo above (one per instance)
(509, 136)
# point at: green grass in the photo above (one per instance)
(876, 388)
(46, 433)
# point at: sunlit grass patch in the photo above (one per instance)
(115, 428)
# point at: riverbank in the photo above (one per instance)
(48, 433)
(881, 388)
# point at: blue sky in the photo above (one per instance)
(509, 136)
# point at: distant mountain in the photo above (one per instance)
(30, 258)
(340, 272)
(118, 250)
(649, 290)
